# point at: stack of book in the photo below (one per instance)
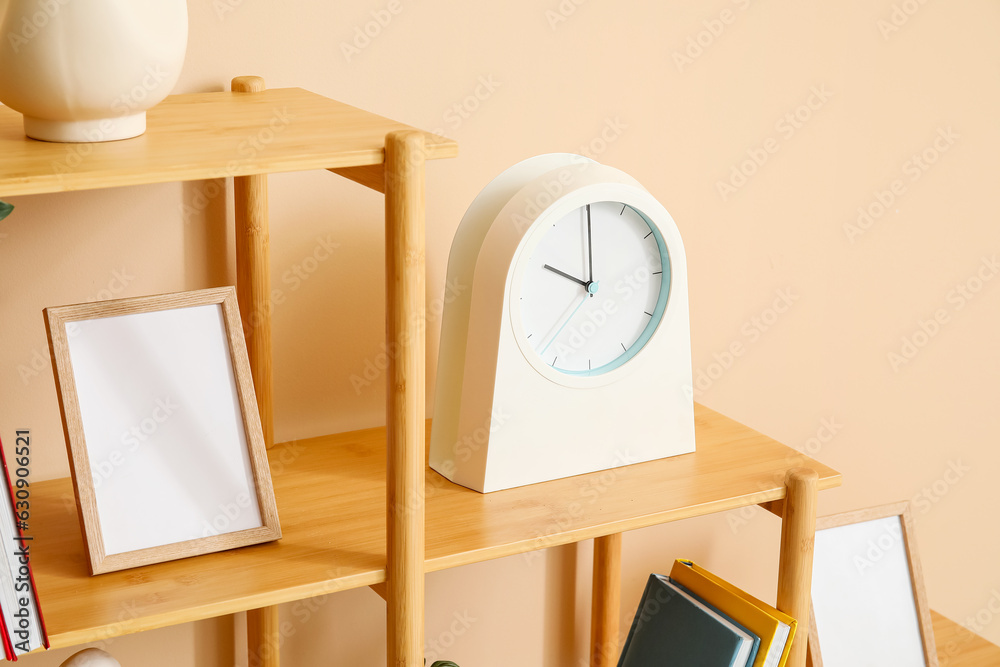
(22, 629)
(693, 618)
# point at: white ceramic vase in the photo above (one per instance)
(91, 657)
(87, 70)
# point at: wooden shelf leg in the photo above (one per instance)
(263, 639)
(405, 412)
(253, 276)
(253, 290)
(798, 534)
(606, 604)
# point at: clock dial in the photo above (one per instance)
(594, 288)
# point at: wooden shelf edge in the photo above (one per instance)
(128, 163)
(579, 535)
(54, 183)
(131, 626)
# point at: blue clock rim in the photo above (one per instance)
(654, 322)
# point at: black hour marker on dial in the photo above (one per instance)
(623, 346)
(648, 313)
(647, 235)
(554, 361)
(624, 206)
(657, 272)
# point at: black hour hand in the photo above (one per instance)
(565, 275)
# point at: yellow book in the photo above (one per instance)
(775, 629)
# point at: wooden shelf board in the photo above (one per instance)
(203, 136)
(331, 501)
(958, 647)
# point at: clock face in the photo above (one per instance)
(593, 289)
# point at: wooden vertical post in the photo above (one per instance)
(253, 291)
(798, 535)
(263, 637)
(253, 275)
(606, 604)
(405, 413)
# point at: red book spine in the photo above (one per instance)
(31, 574)
(8, 648)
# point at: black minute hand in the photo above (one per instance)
(565, 275)
(590, 251)
(590, 246)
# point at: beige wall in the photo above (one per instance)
(896, 431)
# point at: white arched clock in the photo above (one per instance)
(567, 349)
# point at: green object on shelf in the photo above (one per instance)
(444, 663)
(5, 209)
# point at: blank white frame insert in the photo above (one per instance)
(162, 427)
(868, 600)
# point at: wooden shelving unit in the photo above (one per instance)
(247, 134)
(331, 499)
(362, 508)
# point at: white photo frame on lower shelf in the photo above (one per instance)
(164, 438)
(869, 606)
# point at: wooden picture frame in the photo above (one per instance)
(162, 429)
(868, 591)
